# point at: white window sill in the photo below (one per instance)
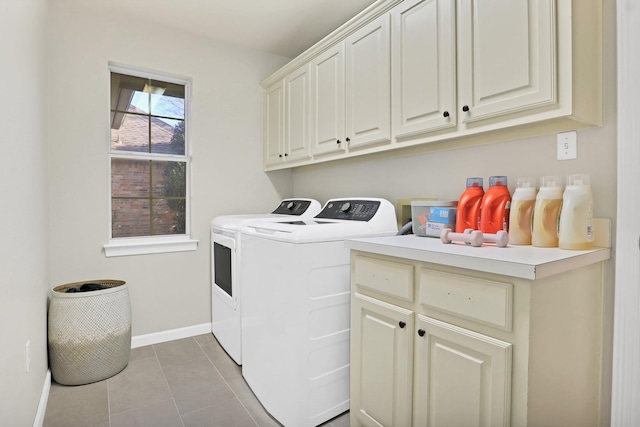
(149, 245)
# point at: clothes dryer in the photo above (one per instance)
(226, 262)
(296, 305)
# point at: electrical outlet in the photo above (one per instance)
(567, 145)
(28, 355)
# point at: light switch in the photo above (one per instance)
(567, 145)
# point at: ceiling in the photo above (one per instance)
(282, 27)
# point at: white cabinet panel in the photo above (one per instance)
(368, 84)
(423, 73)
(381, 377)
(297, 114)
(328, 102)
(286, 118)
(274, 123)
(506, 57)
(462, 378)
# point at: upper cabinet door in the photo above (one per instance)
(297, 86)
(506, 57)
(368, 84)
(423, 70)
(327, 101)
(274, 123)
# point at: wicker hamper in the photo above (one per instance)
(89, 332)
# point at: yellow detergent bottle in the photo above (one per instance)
(546, 213)
(521, 214)
(576, 218)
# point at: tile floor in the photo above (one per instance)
(182, 383)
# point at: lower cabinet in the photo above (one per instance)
(436, 346)
(381, 363)
(409, 369)
(462, 378)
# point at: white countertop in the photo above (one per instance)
(526, 262)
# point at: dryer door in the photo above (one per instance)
(223, 268)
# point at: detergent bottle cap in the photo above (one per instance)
(551, 181)
(578, 179)
(526, 182)
(497, 181)
(474, 182)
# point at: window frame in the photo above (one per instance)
(139, 245)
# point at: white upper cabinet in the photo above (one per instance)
(368, 84)
(412, 72)
(327, 101)
(286, 118)
(297, 86)
(423, 73)
(350, 92)
(274, 123)
(506, 57)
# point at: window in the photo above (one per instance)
(149, 163)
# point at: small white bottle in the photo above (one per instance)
(576, 217)
(521, 215)
(547, 212)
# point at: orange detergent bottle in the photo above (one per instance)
(496, 204)
(468, 215)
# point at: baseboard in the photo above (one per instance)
(170, 335)
(44, 398)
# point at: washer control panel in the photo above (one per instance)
(353, 210)
(292, 207)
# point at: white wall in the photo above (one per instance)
(626, 350)
(24, 250)
(168, 291)
(442, 174)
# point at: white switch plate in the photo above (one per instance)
(567, 145)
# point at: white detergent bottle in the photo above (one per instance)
(576, 217)
(521, 215)
(546, 213)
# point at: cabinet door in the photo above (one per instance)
(274, 123)
(368, 83)
(381, 363)
(506, 57)
(327, 102)
(423, 73)
(462, 378)
(297, 114)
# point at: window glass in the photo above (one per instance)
(149, 164)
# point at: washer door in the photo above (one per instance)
(223, 268)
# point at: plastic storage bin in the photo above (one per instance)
(429, 218)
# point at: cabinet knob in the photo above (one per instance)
(445, 114)
(402, 325)
(338, 142)
(286, 154)
(465, 108)
(421, 332)
(348, 139)
(280, 155)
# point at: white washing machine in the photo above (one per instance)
(226, 262)
(296, 306)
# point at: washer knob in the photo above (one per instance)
(345, 207)
(290, 205)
